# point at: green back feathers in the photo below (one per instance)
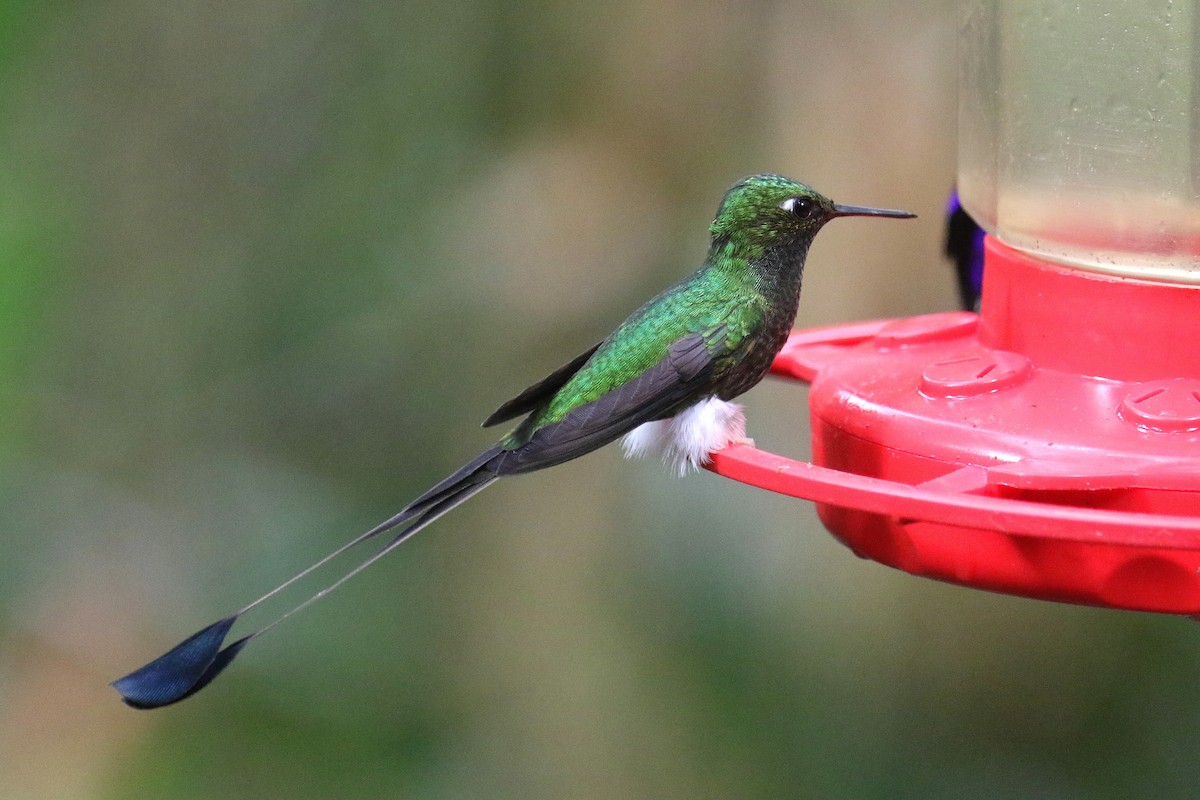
(754, 239)
(699, 303)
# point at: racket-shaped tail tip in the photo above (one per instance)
(181, 671)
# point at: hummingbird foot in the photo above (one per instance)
(687, 440)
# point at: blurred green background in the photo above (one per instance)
(264, 267)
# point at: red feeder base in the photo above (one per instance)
(1049, 447)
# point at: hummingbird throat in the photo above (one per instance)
(686, 440)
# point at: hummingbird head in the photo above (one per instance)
(766, 212)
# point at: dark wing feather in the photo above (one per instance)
(679, 378)
(532, 397)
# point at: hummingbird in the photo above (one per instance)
(664, 380)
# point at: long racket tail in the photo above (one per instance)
(193, 663)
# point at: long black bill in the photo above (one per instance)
(866, 211)
(193, 663)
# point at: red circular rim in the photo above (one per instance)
(808, 481)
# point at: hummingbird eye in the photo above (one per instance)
(801, 207)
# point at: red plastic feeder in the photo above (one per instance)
(1050, 446)
(1035, 449)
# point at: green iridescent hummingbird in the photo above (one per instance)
(663, 379)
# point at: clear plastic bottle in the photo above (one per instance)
(1079, 131)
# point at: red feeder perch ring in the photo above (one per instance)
(1048, 447)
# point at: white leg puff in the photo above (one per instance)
(688, 439)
